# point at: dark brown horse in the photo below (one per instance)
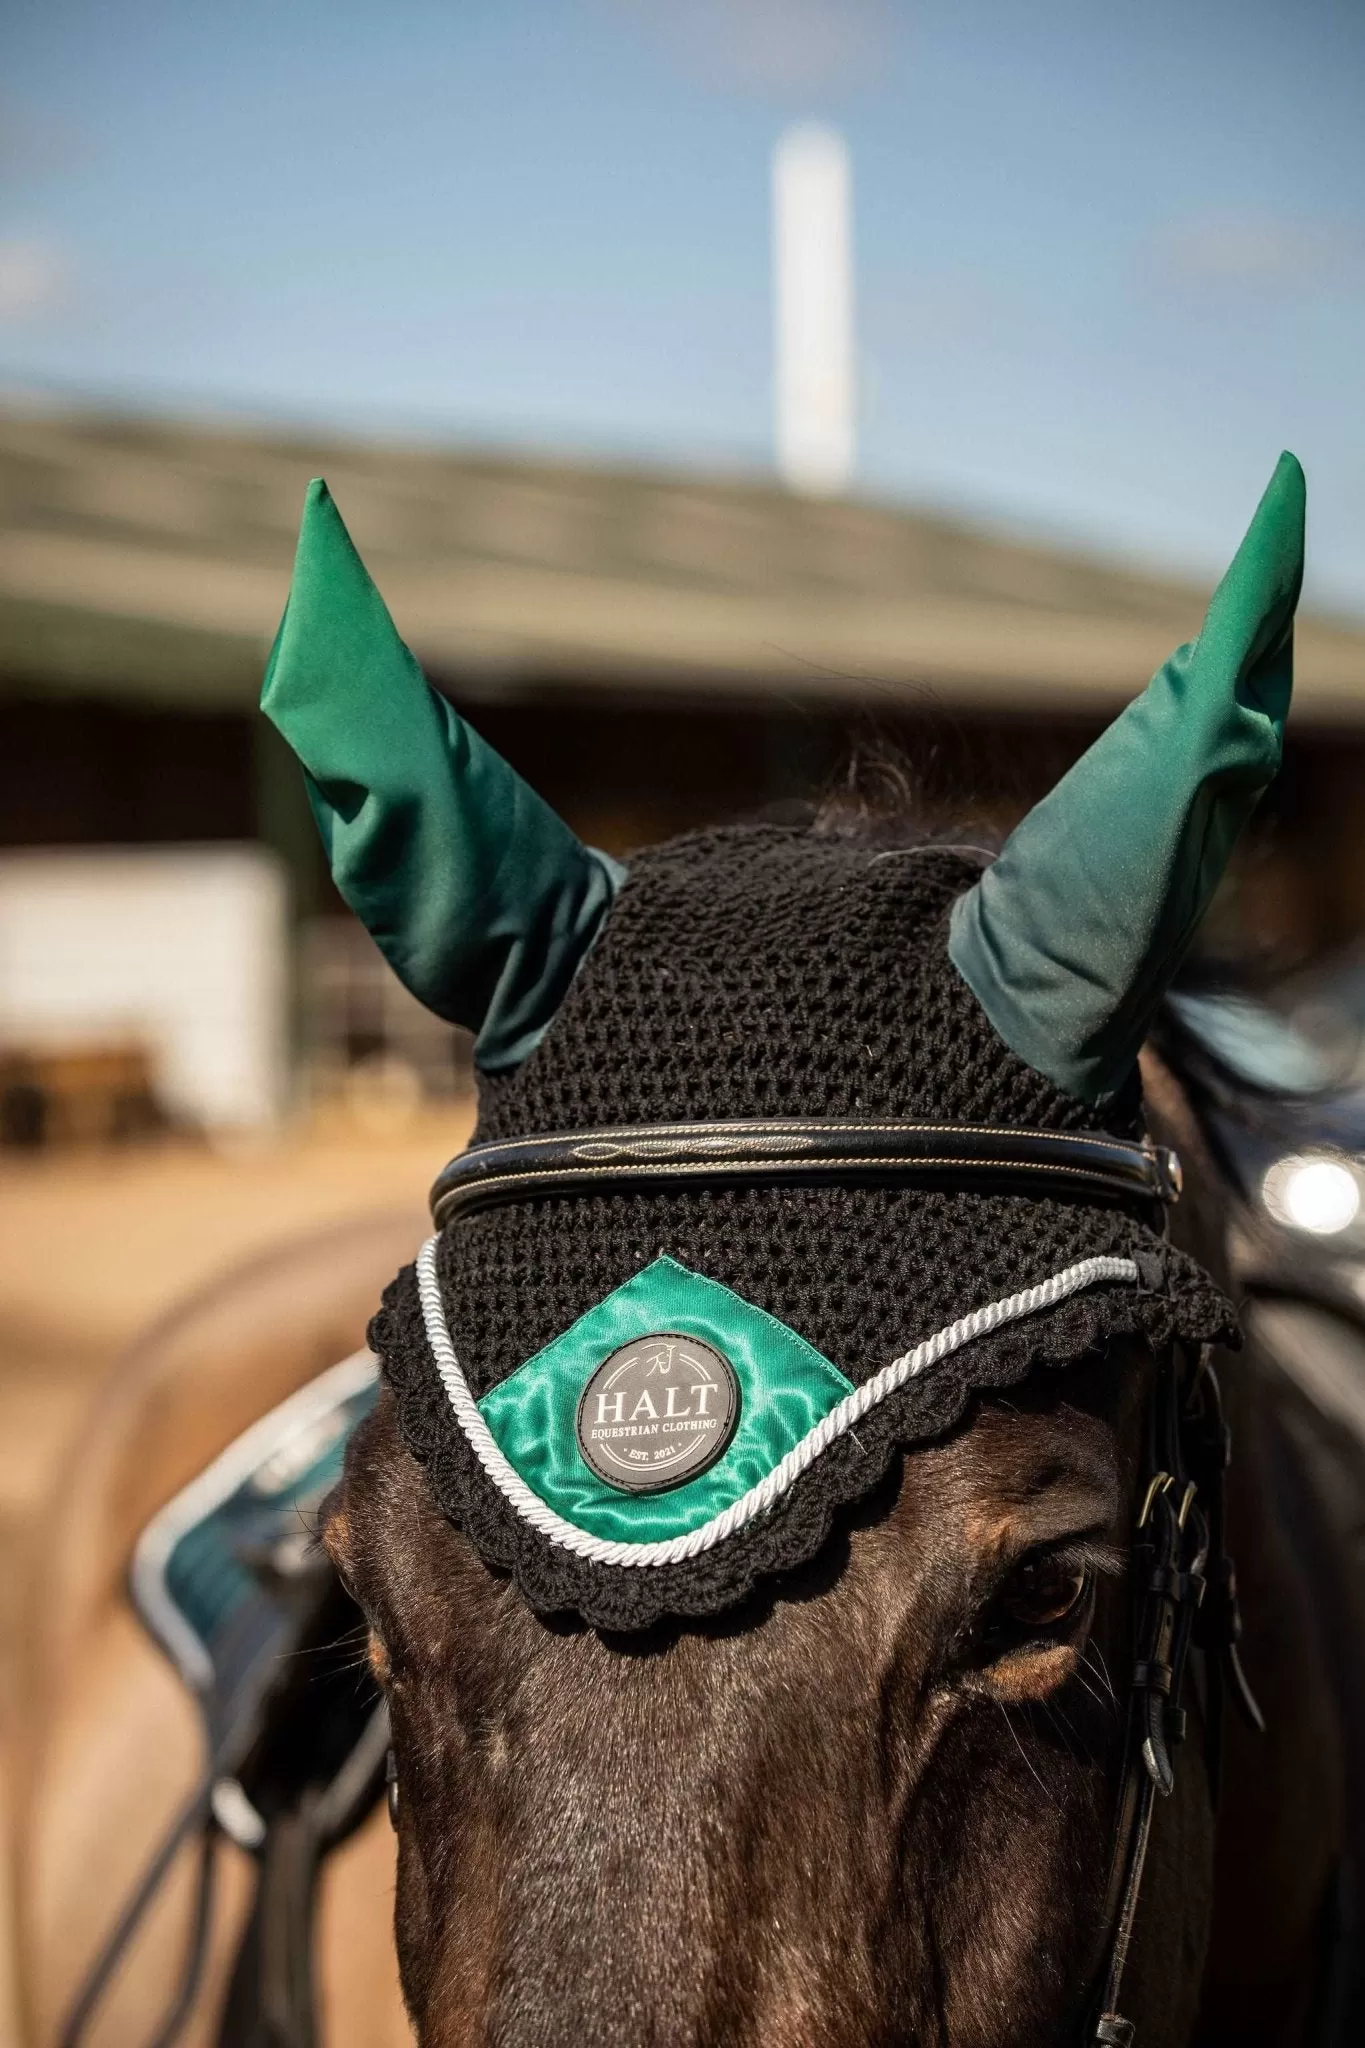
(836, 1692)
(788, 1896)
(867, 1731)
(877, 1803)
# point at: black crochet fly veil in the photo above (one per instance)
(766, 971)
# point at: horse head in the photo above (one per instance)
(746, 1526)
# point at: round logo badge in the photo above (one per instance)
(657, 1412)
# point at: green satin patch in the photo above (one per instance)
(481, 900)
(785, 1386)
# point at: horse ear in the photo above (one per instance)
(1071, 939)
(481, 899)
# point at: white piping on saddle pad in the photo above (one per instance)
(841, 1418)
(275, 1431)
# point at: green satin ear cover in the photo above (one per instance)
(480, 898)
(1071, 939)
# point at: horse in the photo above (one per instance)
(795, 1529)
(95, 1691)
(876, 1802)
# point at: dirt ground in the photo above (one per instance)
(94, 1247)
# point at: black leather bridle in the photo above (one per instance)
(1184, 1586)
(1184, 1596)
(767, 1151)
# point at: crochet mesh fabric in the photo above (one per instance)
(770, 971)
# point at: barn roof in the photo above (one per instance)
(149, 559)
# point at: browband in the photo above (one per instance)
(799, 1151)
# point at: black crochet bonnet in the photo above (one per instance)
(769, 971)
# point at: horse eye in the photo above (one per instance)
(1041, 1591)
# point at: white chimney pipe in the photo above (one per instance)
(813, 310)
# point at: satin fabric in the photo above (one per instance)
(482, 901)
(1070, 941)
(785, 1388)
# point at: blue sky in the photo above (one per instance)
(1109, 259)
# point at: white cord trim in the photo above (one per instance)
(841, 1418)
